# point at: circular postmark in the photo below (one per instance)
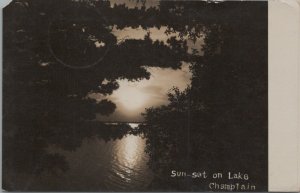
(79, 38)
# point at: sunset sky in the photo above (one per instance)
(133, 4)
(132, 98)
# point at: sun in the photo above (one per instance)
(131, 98)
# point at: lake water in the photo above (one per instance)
(97, 165)
(113, 166)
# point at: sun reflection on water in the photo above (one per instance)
(129, 153)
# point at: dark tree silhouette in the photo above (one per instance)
(220, 122)
(53, 58)
(58, 52)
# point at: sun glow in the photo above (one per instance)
(131, 97)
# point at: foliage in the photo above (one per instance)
(219, 122)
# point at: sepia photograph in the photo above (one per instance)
(135, 96)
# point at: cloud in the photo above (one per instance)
(134, 4)
(156, 34)
(133, 97)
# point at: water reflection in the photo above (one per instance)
(130, 164)
(128, 152)
(115, 165)
(133, 125)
